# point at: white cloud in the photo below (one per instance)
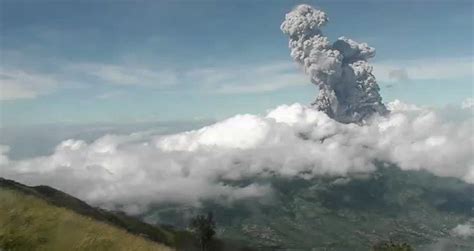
(19, 84)
(468, 103)
(140, 169)
(424, 69)
(398, 105)
(464, 230)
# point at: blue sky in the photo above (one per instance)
(137, 61)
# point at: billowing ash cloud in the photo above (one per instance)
(348, 91)
(136, 170)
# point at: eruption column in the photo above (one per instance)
(348, 91)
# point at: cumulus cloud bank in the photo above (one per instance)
(137, 170)
(348, 91)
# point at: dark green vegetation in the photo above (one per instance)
(203, 226)
(391, 246)
(412, 207)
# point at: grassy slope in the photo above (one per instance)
(25, 224)
(29, 223)
(120, 220)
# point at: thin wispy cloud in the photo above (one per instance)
(248, 79)
(110, 95)
(20, 84)
(265, 77)
(424, 69)
(124, 75)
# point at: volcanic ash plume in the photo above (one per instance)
(348, 91)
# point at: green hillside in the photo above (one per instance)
(30, 223)
(44, 218)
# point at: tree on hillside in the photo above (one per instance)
(203, 226)
(391, 246)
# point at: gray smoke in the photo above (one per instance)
(348, 91)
